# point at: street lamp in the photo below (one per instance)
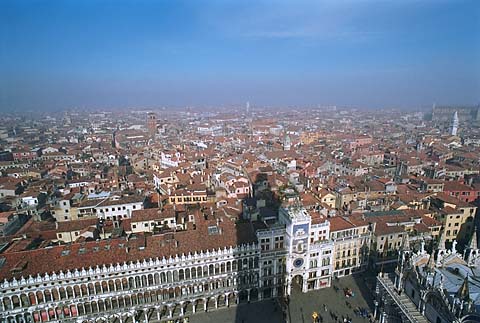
(315, 317)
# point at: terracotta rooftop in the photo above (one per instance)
(152, 214)
(75, 225)
(120, 250)
(339, 223)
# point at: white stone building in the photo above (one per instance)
(309, 251)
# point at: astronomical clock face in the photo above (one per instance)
(298, 262)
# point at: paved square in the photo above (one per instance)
(331, 305)
(264, 311)
(303, 305)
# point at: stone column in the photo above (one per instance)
(383, 317)
(158, 314)
(204, 305)
(145, 312)
(248, 295)
(226, 300)
(170, 312)
(194, 307)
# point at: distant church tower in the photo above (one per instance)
(151, 123)
(454, 124)
(287, 143)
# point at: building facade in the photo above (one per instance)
(309, 251)
(212, 263)
(351, 242)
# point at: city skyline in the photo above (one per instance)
(375, 54)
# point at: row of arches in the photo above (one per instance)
(108, 309)
(130, 283)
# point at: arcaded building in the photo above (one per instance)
(213, 263)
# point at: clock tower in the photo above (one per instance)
(309, 261)
(297, 221)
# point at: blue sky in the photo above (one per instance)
(84, 53)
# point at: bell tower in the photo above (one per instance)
(152, 123)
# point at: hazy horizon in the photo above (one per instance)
(58, 55)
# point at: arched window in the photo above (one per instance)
(205, 271)
(175, 276)
(15, 301)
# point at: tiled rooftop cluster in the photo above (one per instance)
(82, 190)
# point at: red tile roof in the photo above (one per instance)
(120, 250)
